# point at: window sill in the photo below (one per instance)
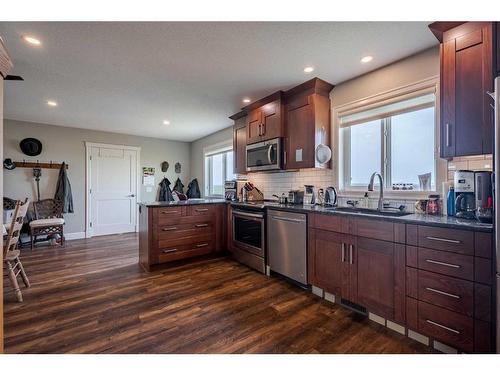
(388, 194)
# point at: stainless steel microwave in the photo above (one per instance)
(264, 156)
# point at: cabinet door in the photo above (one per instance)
(239, 154)
(497, 26)
(326, 259)
(272, 126)
(467, 73)
(254, 126)
(381, 277)
(300, 133)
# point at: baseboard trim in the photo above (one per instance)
(74, 236)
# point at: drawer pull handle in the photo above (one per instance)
(351, 261)
(169, 212)
(442, 263)
(202, 209)
(201, 225)
(444, 327)
(169, 251)
(443, 239)
(202, 244)
(169, 229)
(443, 293)
(343, 252)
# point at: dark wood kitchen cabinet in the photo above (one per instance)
(466, 75)
(239, 142)
(364, 270)
(307, 123)
(327, 268)
(381, 277)
(265, 119)
(497, 50)
(173, 232)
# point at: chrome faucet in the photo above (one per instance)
(381, 196)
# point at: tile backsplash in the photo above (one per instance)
(283, 182)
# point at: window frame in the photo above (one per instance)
(218, 149)
(342, 168)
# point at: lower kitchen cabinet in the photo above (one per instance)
(381, 277)
(326, 260)
(178, 232)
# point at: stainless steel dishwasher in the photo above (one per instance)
(287, 244)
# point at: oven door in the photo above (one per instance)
(264, 156)
(248, 231)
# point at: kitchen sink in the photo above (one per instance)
(369, 211)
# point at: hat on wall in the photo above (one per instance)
(9, 164)
(31, 146)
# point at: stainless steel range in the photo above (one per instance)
(248, 239)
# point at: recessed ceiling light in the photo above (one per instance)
(308, 69)
(51, 103)
(366, 59)
(246, 100)
(31, 40)
(166, 122)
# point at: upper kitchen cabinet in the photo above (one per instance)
(239, 142)
(265, 119)
(497, 54)
(307, 123)
(466, 76)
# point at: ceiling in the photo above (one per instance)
(128, 77)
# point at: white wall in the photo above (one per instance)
(67, 144)
(197, 153)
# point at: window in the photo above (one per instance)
(396, 139)
(218, 168)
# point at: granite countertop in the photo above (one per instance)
(438, 221)
(189, 202)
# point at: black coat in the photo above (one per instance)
(165, 192)
(193, 190)
(179, 186)
(63, 190)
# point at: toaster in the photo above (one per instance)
(296, 197)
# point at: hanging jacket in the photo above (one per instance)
(63, 190)
(165, 192)
(179, 186)
(193, 190)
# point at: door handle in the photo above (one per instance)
(263, 129)
(351, 261)
(131, 195)
(448, 140)
(169, 229)
(169, 251)
(343, 252)
(260, 130)
(201, 225)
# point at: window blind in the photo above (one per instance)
(411, 102)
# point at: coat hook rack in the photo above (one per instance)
(30, 164)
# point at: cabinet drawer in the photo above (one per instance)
(169, 254)
(166, 214)
(449, 327)
(201, 210)
(175, 242)
(453, 240)
(444, 291)
(376, 229)
(332, 223)
(456, 265)
(184, 230)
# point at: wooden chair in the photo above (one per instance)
(48, 221)
(10, 251)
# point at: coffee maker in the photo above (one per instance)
(484, 196)
(465, 203)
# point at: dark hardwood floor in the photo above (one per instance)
(92, 297)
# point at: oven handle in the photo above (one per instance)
(247, 214)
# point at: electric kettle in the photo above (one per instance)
(330, 196)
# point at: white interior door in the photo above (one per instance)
(113, 190)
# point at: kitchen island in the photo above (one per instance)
(170, 231)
